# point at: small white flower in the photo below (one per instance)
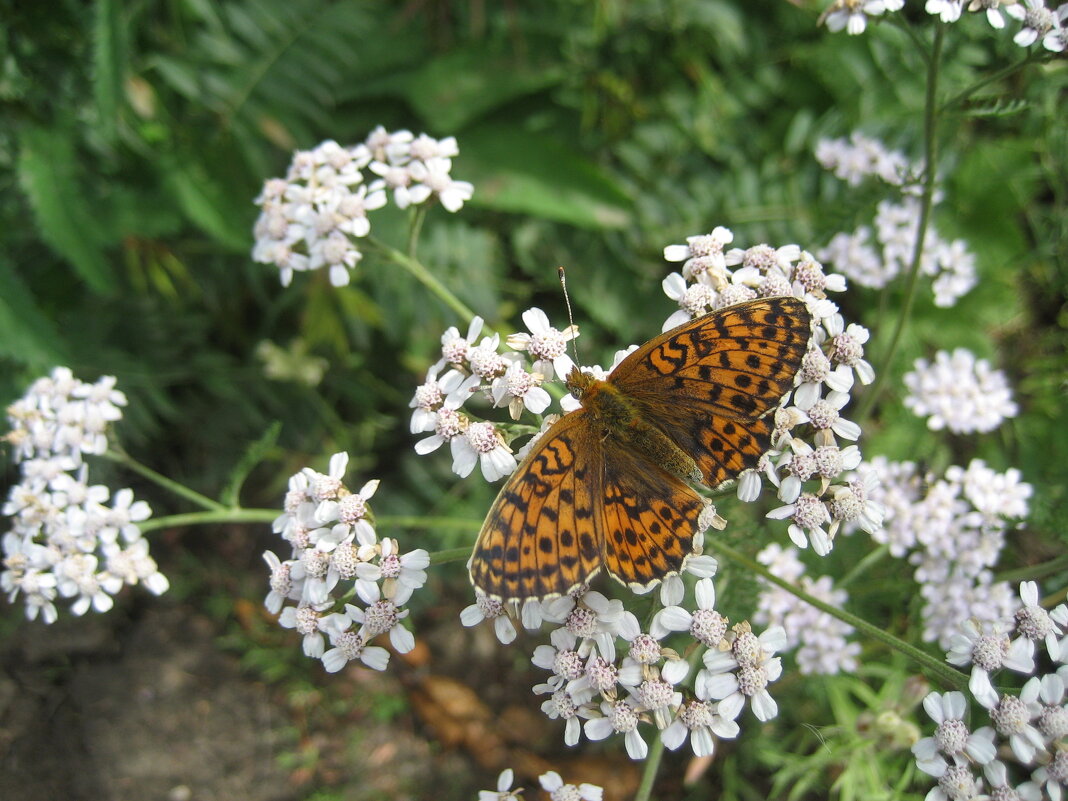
(520, 390)
(1036, 18)
(1034, 623)
(554, 785)
(1012, 718)
(432, 177)
(486, 608)
(503, 792)
(703, 257)
(619, 717)
(546, 345)
(482, 444)
(743, 672)
(952, 737)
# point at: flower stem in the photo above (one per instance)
(416, 521)
(425, 277)
(993, 77)
(862, 567)
(205, 518)
(945, 674)
(418, 216)
(930, 171)
(181, 490)
(652, 765)
(450, 555)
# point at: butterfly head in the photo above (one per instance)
(578, 382)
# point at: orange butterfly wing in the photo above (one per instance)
(650, 518)
(576, 502)
(543, 535)
(708, 383)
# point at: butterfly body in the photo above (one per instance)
(609, 485)
(622, 418)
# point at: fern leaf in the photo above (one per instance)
(47, 174)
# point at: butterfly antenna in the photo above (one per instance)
(567, 302)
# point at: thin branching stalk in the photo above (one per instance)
(425, 277)
(930, 172)
(177, 488)
(945, 674)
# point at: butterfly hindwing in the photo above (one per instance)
(542, 536)
(649, 518)
(707, 383)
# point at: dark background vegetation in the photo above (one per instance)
(135, 136)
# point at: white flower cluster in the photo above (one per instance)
(822, 386)
(312, 218)
(820, 639)
(854, 159)
(1023, 752)
(953, 530)
(505, 380)
(1038, 21)
(873, 264)
(610, 677)
(958, 392)
(70, 539)
(551, 782)
(336, 554)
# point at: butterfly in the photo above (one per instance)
(608, 485)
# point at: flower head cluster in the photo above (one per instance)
(952, 528)
(854, 159)
(336, 554)
(608, 677)
(1022, 753)
(852, 15)
(959, 392)
(474, 368)
(1038, 23)
(551, 782)
(70, 539)
(820, 639)
(805, 458)
(312, 218)
(873, 264)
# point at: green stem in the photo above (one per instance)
(451, 555)
(863, 566)
(930, 171)
(945, 674)
(415, 521)
(178, 489)
(205, 518)
(426, 278)
(1032, 572)
(652, 765)
(994, 77)
(418, 216)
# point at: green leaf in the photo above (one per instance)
(517, 171)
(109, 63)
(27, 335)
(62, 210)
(460, 86)
(209, 203)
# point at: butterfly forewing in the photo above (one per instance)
(542, 536)
(707, 383)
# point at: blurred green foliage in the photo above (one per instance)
(135, 137)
